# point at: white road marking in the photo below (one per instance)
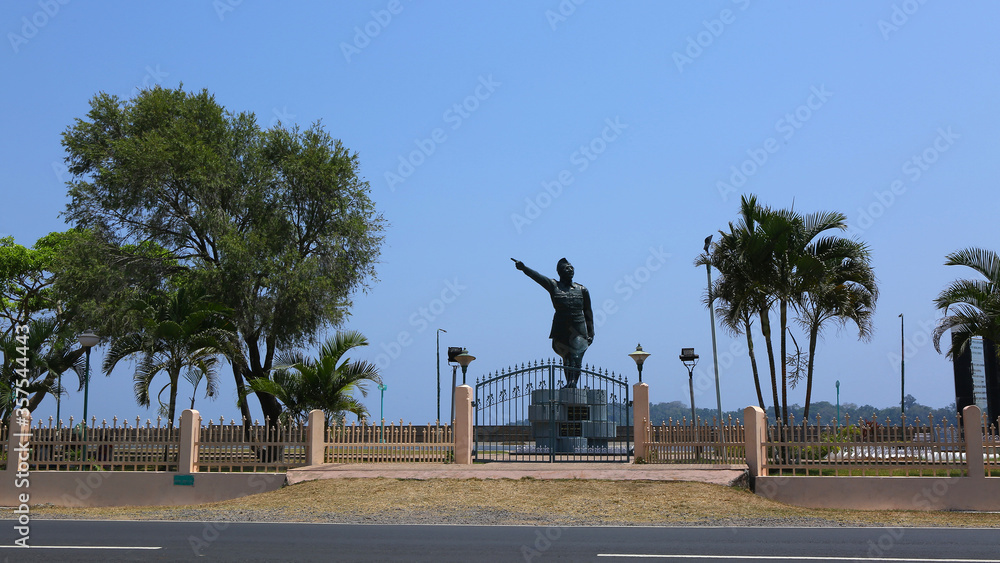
(81, 547)
(789, 558)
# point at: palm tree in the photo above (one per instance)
(733, 292)
(181, 330)
(50, 353)
(839, 285)
(763, 262)
(326, 383)
(194, 377)
(971, 307)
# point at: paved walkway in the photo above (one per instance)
(716, 474)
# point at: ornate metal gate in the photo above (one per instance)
(525, 414)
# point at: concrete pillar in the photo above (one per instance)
(19, 434)
(640, 419)
(972, 423)
(463, 425)
(187, 457)
(316, 438)
(755, 429)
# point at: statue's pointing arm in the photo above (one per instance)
(541, 280)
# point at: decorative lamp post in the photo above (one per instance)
(439, 331)
(381, 409)
(88, 340)
(464, 359)
(690, 359)
(453, 352)
(639, 356)
(838, 402)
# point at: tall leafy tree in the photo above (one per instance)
(839, 286)
(766, 261)
(276, 224)
(27, 298)
(180, 331)
(327, 382)
(971, 307)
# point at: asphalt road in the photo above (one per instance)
(73, 540)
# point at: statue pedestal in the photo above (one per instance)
(570, 420)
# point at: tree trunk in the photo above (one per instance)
(813, 336)
(765, 329)
(783, 307)
(753, 365)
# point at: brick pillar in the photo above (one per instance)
(640, 419)
(187, 457)
(316, 438)
(19, 433)
(463, 425)
(755, 428)
(972, 423)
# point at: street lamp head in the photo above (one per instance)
(688, 357)
(708, 242)
(639, 356)
(88, 339)
(382, 387)
(464, 359)
(837, 385)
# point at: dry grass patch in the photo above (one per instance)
(525, 501)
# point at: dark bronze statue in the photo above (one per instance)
(573, 323)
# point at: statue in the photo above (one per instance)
(573, 323)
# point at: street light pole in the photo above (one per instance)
(902, 369)
(838, 402)
(381, 409)
(715, 350)
(690, 359)
(88, 340)
(439, 331)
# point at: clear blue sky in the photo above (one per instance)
(601, 132)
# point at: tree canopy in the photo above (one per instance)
(782, 259)
(275, 224)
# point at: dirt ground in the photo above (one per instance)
(522, 501)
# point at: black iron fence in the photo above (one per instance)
(527, 414)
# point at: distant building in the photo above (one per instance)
(971, 388)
